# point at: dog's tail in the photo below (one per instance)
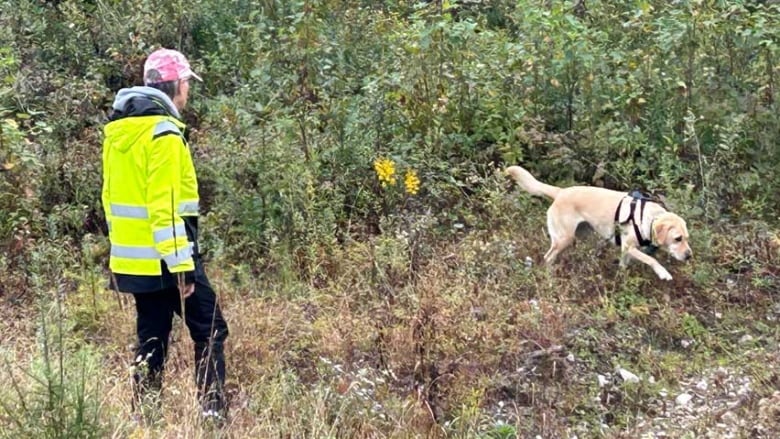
(530, 184)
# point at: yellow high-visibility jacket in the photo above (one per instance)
(149, 185)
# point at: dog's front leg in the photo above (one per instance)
(649, 260)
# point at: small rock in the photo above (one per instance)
(683, 399)
(628, 376)
(729, 418)
(747, 338)
(702, 385)
(685, 343)
(603, 381)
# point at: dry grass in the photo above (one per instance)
(468, 343)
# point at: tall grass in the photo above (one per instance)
(51, 388)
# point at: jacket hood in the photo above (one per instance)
(128, 105)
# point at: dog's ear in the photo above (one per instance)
(684, 228)
(661, 230)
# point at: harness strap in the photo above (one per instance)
(643, 242)
(617, 221)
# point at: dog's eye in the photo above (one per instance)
(678, 239)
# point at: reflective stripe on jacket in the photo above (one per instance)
(149, 185)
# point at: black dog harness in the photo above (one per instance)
(641, 199)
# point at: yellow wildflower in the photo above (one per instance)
(385, 171)
(411, 182)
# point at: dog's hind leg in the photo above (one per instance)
(562, 234)
(558, 242)
(556, 247)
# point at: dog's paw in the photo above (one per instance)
(663, 274)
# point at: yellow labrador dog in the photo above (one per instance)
(634, 222)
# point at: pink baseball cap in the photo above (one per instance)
(167, 65)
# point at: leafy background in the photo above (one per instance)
(359, 309)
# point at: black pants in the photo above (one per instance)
(207, 329)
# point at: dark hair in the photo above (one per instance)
(168, 87)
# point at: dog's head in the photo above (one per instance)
(671, 233)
